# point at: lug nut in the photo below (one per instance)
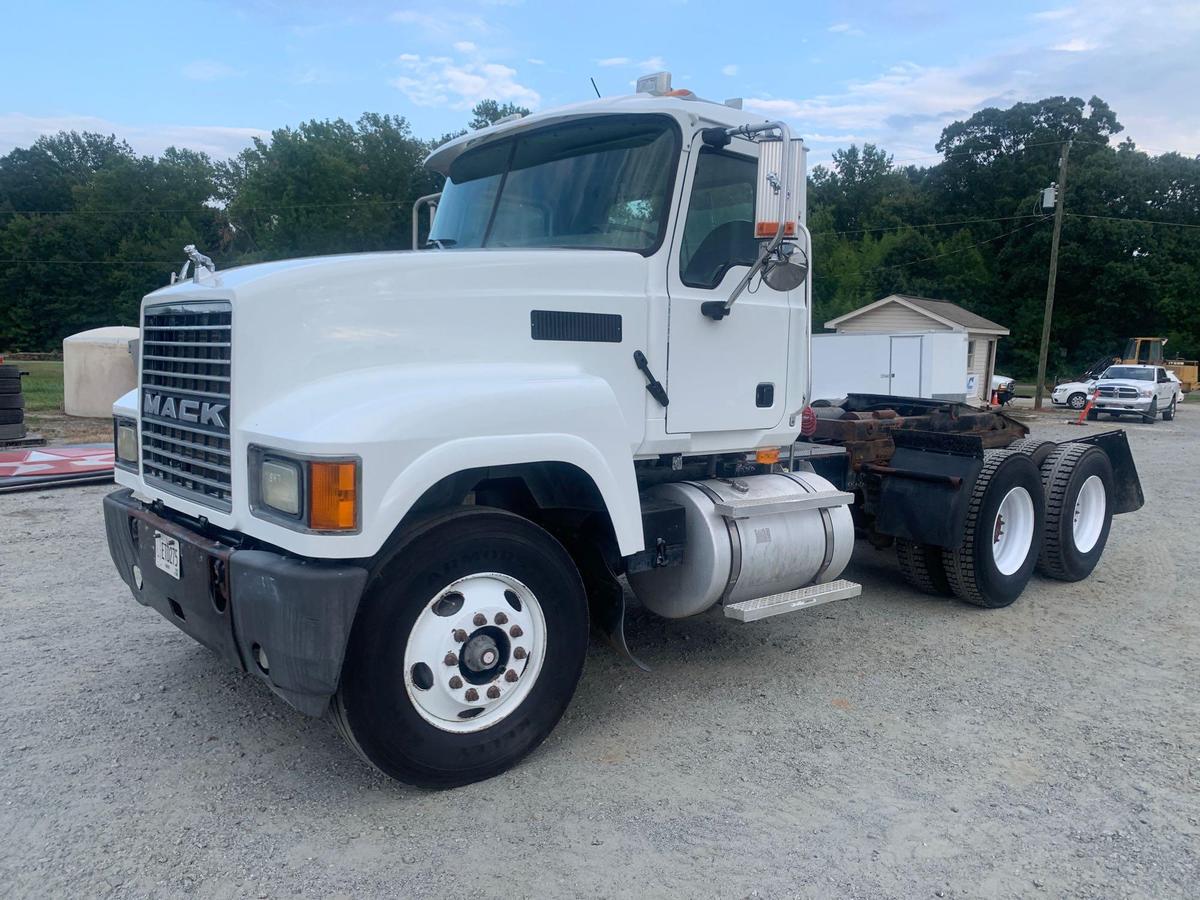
(471, 695)
(510, 675)
(451, 659)
(516, 631)
(480, 619)
(460, 635)
(455, 683)
(519, 653)
(501, 619)
(493, 692)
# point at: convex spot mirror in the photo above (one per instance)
(786, 274)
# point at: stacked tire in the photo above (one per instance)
(1036, 505)
(12, 404)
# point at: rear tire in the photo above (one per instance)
(1035, 448)
(12, 416)
(1005, 516)
(12, 401)
(455, 574)
(1077, 480)
(1169, 412)
(921, 566)
(10, 385)
(1092, 415)
(12, 432)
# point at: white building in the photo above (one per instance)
(902, 314)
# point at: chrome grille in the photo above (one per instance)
(186, 365)
(1116, 392)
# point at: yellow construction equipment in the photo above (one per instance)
(1148, 351)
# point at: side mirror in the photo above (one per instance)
(772, 204)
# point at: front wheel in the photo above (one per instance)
(1151, 415)
(999, 549)
(466, 650)
(1077, 401)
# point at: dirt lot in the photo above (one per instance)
(889, 746)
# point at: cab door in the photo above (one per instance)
(727, 375)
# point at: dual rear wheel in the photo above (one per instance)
(1035, 505)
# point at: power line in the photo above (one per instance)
(199, 208)
(913, 262)
(930, 225)
(1139, 221)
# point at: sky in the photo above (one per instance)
(212, 75)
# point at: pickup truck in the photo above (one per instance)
(1144, 391)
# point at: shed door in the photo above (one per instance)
(906, 366)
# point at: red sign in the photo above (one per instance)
(42, 462)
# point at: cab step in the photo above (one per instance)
(790, 601)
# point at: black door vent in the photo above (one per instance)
(559, 325)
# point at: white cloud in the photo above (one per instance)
(1145, 66)
(534, 61)
(444, 25)
(729, 70)
(443, 81)
(847, 29)
(1076, 45)
(465, 47)
(653, 63)
(1053, 15)
(207, 70)
(218, 141)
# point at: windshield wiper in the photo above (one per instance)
(440, 243)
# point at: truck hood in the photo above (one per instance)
(1124, 382)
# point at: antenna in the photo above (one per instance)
(594, 88)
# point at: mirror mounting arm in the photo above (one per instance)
(719, 309)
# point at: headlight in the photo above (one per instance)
(279, 486)
(125, 439)
(305, 494)
(1146, 392)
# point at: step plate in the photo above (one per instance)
(791, 601)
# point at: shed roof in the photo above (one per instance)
(943, 311)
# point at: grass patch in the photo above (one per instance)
(43, 386)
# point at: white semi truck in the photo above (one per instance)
(397, 487)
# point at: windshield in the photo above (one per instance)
(1130, 373)
(603, 183)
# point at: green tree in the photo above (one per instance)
(489, 112)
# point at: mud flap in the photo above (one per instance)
(1127, 486)
(606, 596)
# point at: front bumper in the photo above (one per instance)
(244, 605)
(1112, 404)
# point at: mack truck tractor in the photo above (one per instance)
(401, 488)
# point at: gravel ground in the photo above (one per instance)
(888, 746)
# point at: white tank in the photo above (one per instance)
(728, 560)
(97, 369)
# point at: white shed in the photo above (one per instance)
(902, 314)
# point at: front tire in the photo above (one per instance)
(1151, 415)
(466, 650)
(999, 550)
(1077, 401)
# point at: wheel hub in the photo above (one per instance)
(474, 652)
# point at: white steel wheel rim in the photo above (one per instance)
(462, 688)
(1012, 531)
(1088, 519)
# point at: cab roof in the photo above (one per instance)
(679, 106)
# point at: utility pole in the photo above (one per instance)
(1060, 197)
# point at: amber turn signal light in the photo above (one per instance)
(333, 497)
(768, 457)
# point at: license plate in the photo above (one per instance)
(166, 554)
